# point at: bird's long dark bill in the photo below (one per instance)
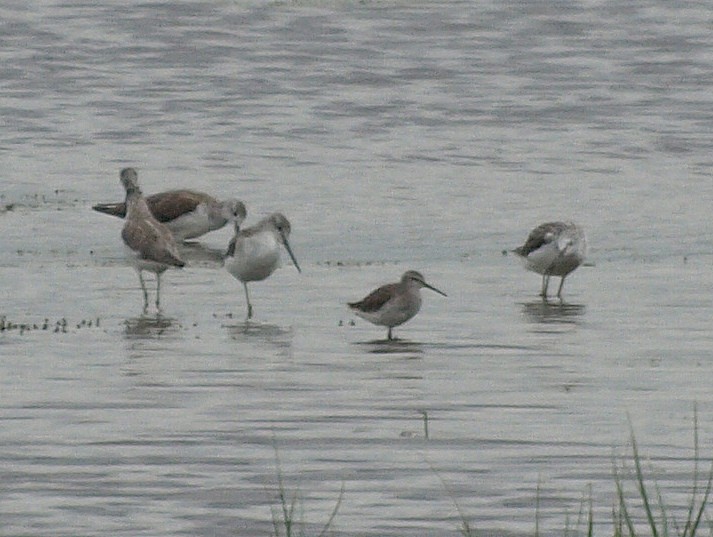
(434, 289)
(289, 251)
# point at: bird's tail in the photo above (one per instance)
(113, 209)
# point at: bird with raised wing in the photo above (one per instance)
(187, 214)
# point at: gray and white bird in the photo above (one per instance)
(188, 214)
(149, 244)
(254, 253)
(553, 249)
(395, 303)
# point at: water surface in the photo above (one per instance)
(394, 136)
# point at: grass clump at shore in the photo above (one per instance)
(287, 515)
(658, 520)
(644, 513)
(641, 513)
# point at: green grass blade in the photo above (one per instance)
(617, 521)
(704, 504)
(641, 485)
(692, 523)
(662, 508)
(275, 522)
(623, 510)
(590, 521)
(329, 522)
(465, 528)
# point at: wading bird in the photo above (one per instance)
(553, 249)
(187, 214)
(149, 244)
(394, 303)
(254, 253)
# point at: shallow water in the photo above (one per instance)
(395, 136)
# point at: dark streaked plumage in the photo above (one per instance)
(149, 244)
(553, 249)
(394, 303)
(187, 214)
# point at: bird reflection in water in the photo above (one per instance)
(393, 346)
(261, 333)
(544, 312)
(146, 327)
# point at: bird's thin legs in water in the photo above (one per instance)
(247, 299)
(146, 295)
(158, 291)
(545, 285)
(389, 336)
(559, 291)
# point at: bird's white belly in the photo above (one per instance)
(255, 259)
(542, 259)
(394, 312)
(191, 225)
(552, 260)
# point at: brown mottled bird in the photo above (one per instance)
(187, 214)
(394, 303)
(149, 244)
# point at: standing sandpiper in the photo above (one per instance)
(394, 303)
(254, 253)
(553, 249)
(149, 244)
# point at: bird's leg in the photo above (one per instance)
(247, 298)
(146, 295)
(158, 291)
(389, 336)
(545, 285)
(559, 291)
